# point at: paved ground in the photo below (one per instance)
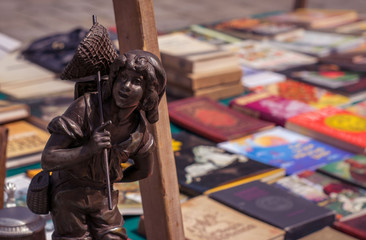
(30, 19)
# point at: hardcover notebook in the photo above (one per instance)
(345, 199)
(202, 166)
(207, 219)
(213, 120)
(297, 216)
(283, 148)
(335, 126)
(352, 170)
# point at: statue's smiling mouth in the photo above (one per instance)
(123, 95)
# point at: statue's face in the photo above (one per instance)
(129, 89)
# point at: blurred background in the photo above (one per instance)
(26, 20)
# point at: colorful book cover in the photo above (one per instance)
(273, 108)
(259, 29)
(316, 18)
(320, 43)
(353, 61)
(351, 84)
(283, 148)
(355, 28)
(266, 56)
(358, 108)
(273, 205)
(312, 95)
(352, 170)
(202, 166)
(335, 126)
(205, 218)
(213, 120)
(345, 199)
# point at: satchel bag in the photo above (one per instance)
(38, 196)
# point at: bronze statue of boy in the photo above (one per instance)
(74, 152)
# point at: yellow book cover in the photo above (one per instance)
(25, 138)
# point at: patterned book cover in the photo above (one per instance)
(273, 108)
(345, 199)
(335, 126)
(207, 219)
(213, 120)
(286, 149)
(352, 170)
(273, 205)
(312, 95)
(202, 166)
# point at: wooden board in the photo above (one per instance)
(136, 29)
(3, 144)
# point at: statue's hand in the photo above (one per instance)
(100, 139)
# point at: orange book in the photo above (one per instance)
(335, 126)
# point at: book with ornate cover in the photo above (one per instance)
(328, 233)
(335, 126)
(27, 139)
(351, 170)
(213, 120)
(202, 166)
(312, 95)
(207, 219)
(283, 148)
(343, 198)
(273, 205)
(187, 54)
(316, 18)
(321, 44)
(351, 84)
(266, 56)
(353, 225)
(272, 108)
(257, 29)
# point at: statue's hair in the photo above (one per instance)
(150, 67)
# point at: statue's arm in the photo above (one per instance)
(59, 155)
(142, 167)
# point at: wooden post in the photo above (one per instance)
(136, 29)
(300, 4)
(3, 144)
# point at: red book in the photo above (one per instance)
(354, 226)
(335, 126)
(213, 120)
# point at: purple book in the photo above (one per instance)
(272, 108)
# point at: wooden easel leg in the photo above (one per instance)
(3, 145)
(136, 29)
(300, 4)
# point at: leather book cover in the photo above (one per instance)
(213, 120)
(297, 216)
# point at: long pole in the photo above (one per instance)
(105, 151)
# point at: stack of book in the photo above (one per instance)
(198, 68)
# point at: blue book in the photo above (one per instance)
(286, 149)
